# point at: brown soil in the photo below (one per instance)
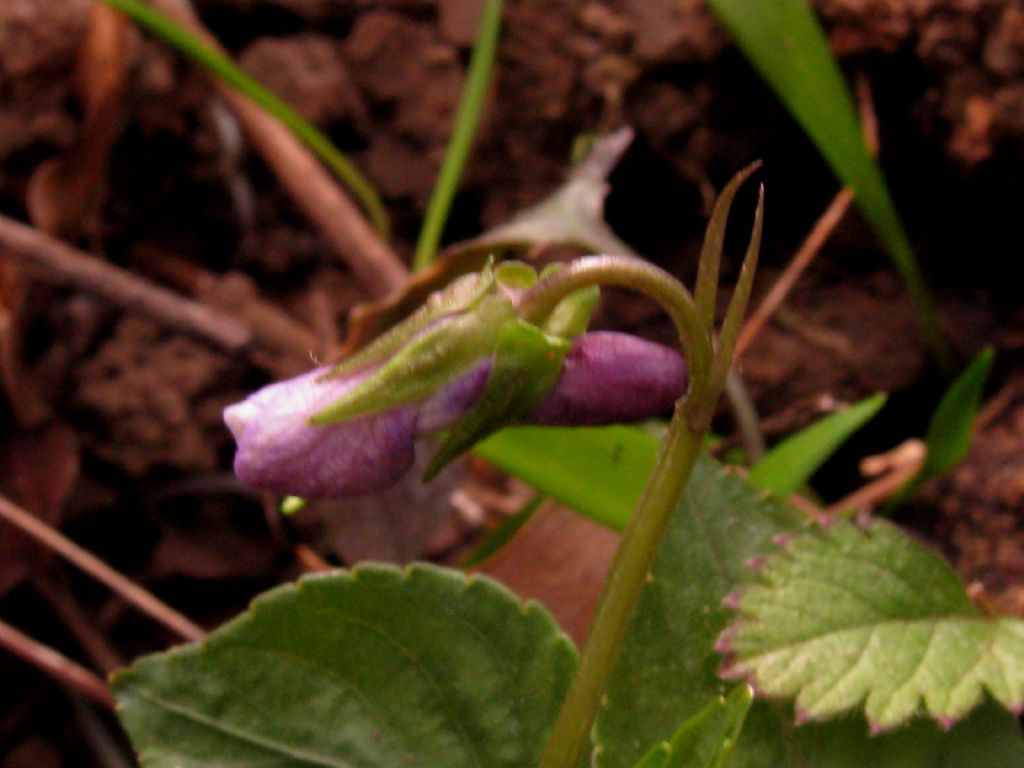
(110, 424)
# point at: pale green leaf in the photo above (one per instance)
(668, 670)
(571, 215)
(707, 739)
(851, 615)
(790, 464)
(377, 667)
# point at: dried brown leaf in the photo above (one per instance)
(26, 405)
(65, 194)
(39, 471)
(560, 559)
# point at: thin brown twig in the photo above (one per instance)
(94, 643)
(893, 470)
(53, 262)
(107, 748)
(56, 665)
(995, 407)
(822, 229)
(810, 248)
(868, 116)
(142, 599)
(238, 296)
(312, 187)
(310, 561)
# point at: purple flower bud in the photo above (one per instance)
(609, 378)
(606, 378)
(280, 452)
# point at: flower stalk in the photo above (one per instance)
(630, 570)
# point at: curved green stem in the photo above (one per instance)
(629, 573)
(478, 79)
(625, 272)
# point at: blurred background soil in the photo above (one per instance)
(110, 424)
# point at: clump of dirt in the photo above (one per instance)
(981, 505)
(155, 400)
(38, 45)
(813, 353)
(309, 68)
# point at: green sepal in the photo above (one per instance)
(461, 295)
(432, 359)
(571, 316)
(516, 275)
(526, 365)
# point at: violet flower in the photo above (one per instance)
(605, 378)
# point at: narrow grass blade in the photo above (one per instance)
(952, 425)
(478, 80)
(790, 464)
(598, 471)
(219, 65)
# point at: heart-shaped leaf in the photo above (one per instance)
(376, 667)
(850, 614)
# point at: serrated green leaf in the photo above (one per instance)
(667, 671)
(598, 471)
(851, 615)
(707, 739)
(378, 667)
(787, 46)
(668, 668)
(952, 425)
(790, 464)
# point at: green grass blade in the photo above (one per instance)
(478, 80)
(598, 471)
(790, 464)
(220, 66)
(786, 45)
(952, 425)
